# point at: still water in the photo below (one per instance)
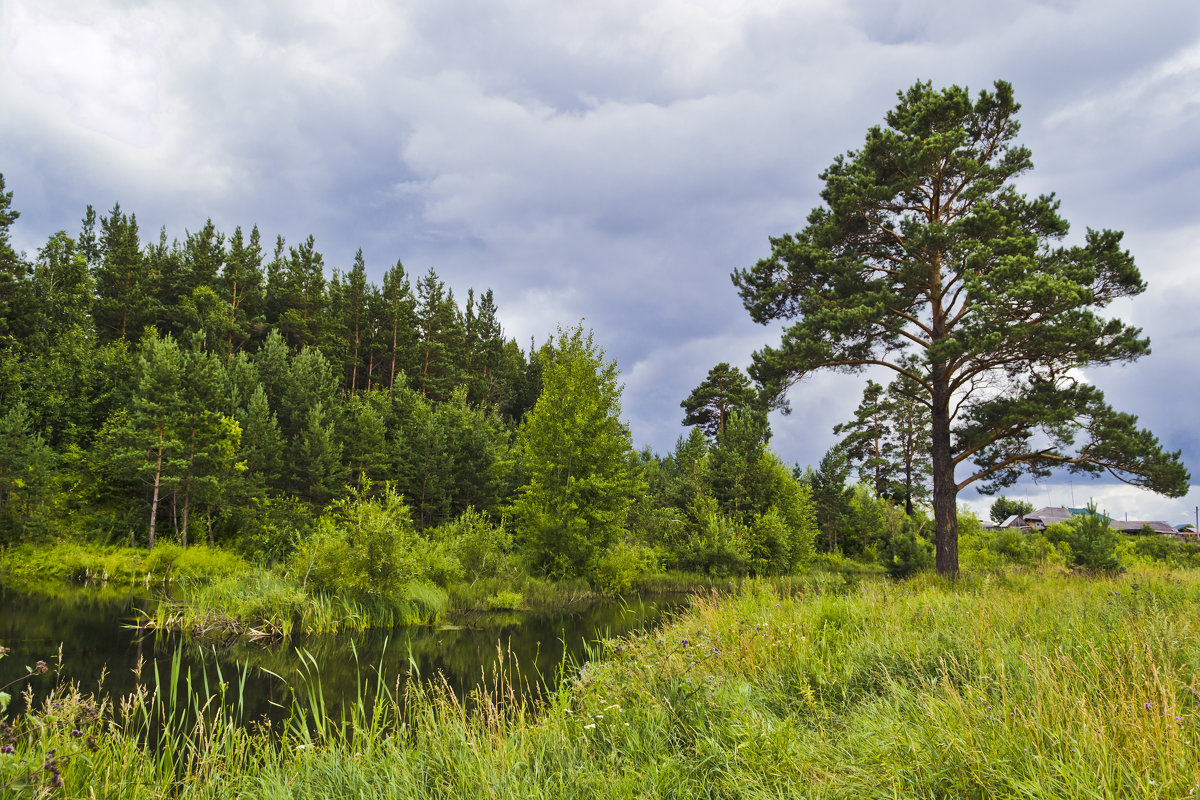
(101, 650)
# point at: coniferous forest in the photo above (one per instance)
(361, 439)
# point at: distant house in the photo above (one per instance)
(1140, 525)
(1043, 517)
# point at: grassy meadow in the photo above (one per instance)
(1000, 685)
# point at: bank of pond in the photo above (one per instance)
(1015, 683)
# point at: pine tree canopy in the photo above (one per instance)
(924, 247)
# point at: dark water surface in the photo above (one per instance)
(93, 627)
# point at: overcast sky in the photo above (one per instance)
(612, 160)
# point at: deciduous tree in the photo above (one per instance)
(580, 465)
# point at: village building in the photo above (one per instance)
(1049, 515)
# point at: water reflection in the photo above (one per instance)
(93, 627)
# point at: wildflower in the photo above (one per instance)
(40, 667)
(684, 642)
(77, 733)
(7, 748)
(589, 727)
(1148, 706)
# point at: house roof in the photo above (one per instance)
(1136, 526)
(1053, 514)
(1050, 515)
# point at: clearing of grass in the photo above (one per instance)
(1014, 685)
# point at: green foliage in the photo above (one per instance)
(923, 223)
(581, 471)
(362, 548)
(266, 530)
(26, 472)
(740, 473)
(481, 547)
(724, 391)
(1094, 541)
(715, 544)
(888, 441)
(1003, 508)
(622, 566)
(504, 601)
(830, 496)
(907, 552)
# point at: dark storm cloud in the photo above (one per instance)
(611, 160)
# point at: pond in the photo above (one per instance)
(101, 650)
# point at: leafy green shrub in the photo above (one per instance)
(481, 547)
(504, 601)
(715, 544)
(770, 544)
(622, 565)
(364, 548)
(1155, 548)
(1059, 533)
(438, 564)
(267, 530)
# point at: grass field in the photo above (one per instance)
(1010, 685)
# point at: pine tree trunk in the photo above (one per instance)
(187, 501)
(395, 341)
(945, 492)
(354, 368)
(154, 498)
(233, 315)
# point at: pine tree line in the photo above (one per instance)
(204, 387)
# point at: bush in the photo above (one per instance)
(504, 601)
(1094, 542)
(266, 531)
(621, 566)
(907, 553)
(363, 548)
(715, 544)
(1155, 548)
(481, 547)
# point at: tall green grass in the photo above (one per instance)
(74, 562)
(1001, 685)
(260, 603)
